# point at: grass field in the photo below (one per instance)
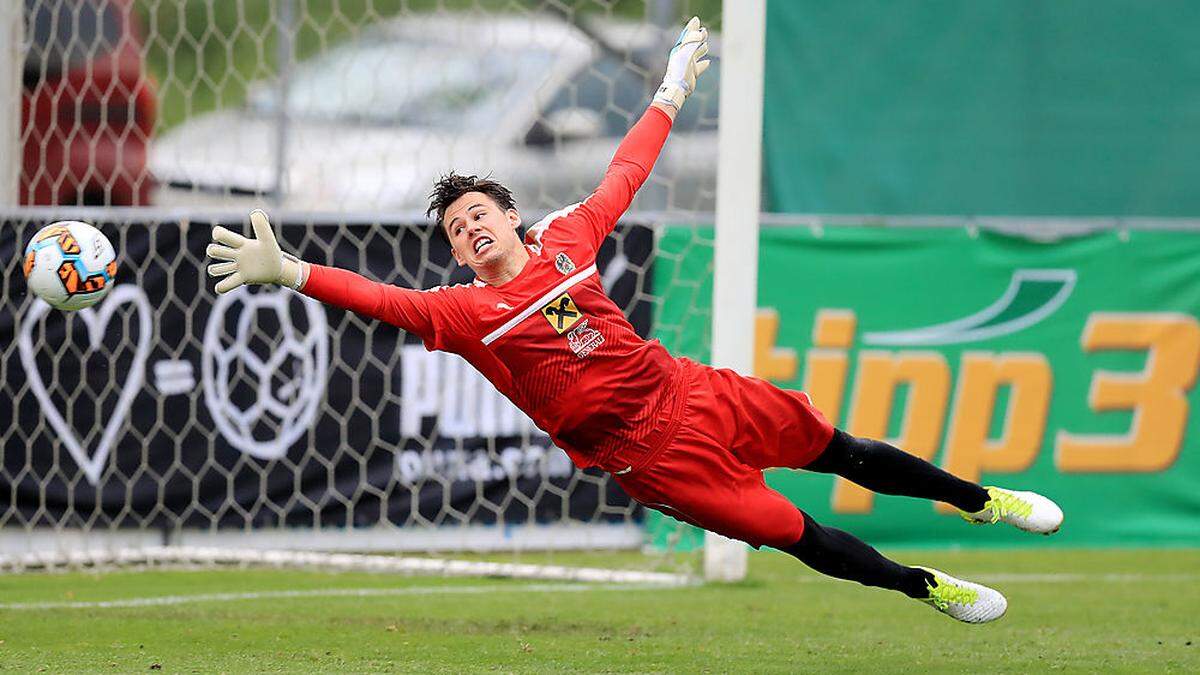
(1082, 611)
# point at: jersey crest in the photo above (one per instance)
(562, 313)
(583, 339)
(563, 263)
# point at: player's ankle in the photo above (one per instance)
(916, 583)
(973, 499)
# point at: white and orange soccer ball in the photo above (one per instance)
(70, 265)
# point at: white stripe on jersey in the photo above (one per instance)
(539, 228)
(536, 306)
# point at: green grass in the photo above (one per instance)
(782, 619)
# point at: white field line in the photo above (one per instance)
(326, 593)
(1002, 577)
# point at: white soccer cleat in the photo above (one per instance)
(968, 602)
(1028, 511)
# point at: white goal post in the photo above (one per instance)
(735, 256)
(11, 37)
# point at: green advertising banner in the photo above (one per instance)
(1071, 107)
(1066, 367)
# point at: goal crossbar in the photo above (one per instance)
(208, 558)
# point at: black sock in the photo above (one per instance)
(840, 554)
(881, 468)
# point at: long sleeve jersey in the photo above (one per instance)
(550, 339)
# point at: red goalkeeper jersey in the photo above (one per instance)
(550, 339)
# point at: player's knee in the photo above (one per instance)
(774, 527)
(779, 530)
(842, 451)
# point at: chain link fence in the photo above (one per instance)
(161, 417)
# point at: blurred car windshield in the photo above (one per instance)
(619, 93)
(434, 85)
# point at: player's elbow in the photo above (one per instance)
(381, 305)
(628, 168)
(627, 178)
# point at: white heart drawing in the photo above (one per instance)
(96, 321)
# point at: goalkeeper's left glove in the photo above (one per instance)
(684, 65)
(252, 261)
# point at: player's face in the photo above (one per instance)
(481, 233)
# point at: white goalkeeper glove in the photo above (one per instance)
(684, 64)
(252, 261)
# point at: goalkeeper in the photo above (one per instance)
(680, 437)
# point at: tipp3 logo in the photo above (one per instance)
(986, 408)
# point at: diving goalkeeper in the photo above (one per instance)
(679, 436)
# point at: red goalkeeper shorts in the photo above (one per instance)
(710, 472)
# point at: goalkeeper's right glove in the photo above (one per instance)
(252, 261)
(684, 64)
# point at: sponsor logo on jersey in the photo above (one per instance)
(563, 263)
(562, 313)
(584, 339)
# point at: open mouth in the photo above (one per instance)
(482, 243)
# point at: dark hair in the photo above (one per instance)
(450, 187)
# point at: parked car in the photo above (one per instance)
(88, 107)
(538, 103)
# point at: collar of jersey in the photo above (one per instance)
(533, 253)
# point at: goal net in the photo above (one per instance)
(171, 425)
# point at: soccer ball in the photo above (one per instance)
(70, 265)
